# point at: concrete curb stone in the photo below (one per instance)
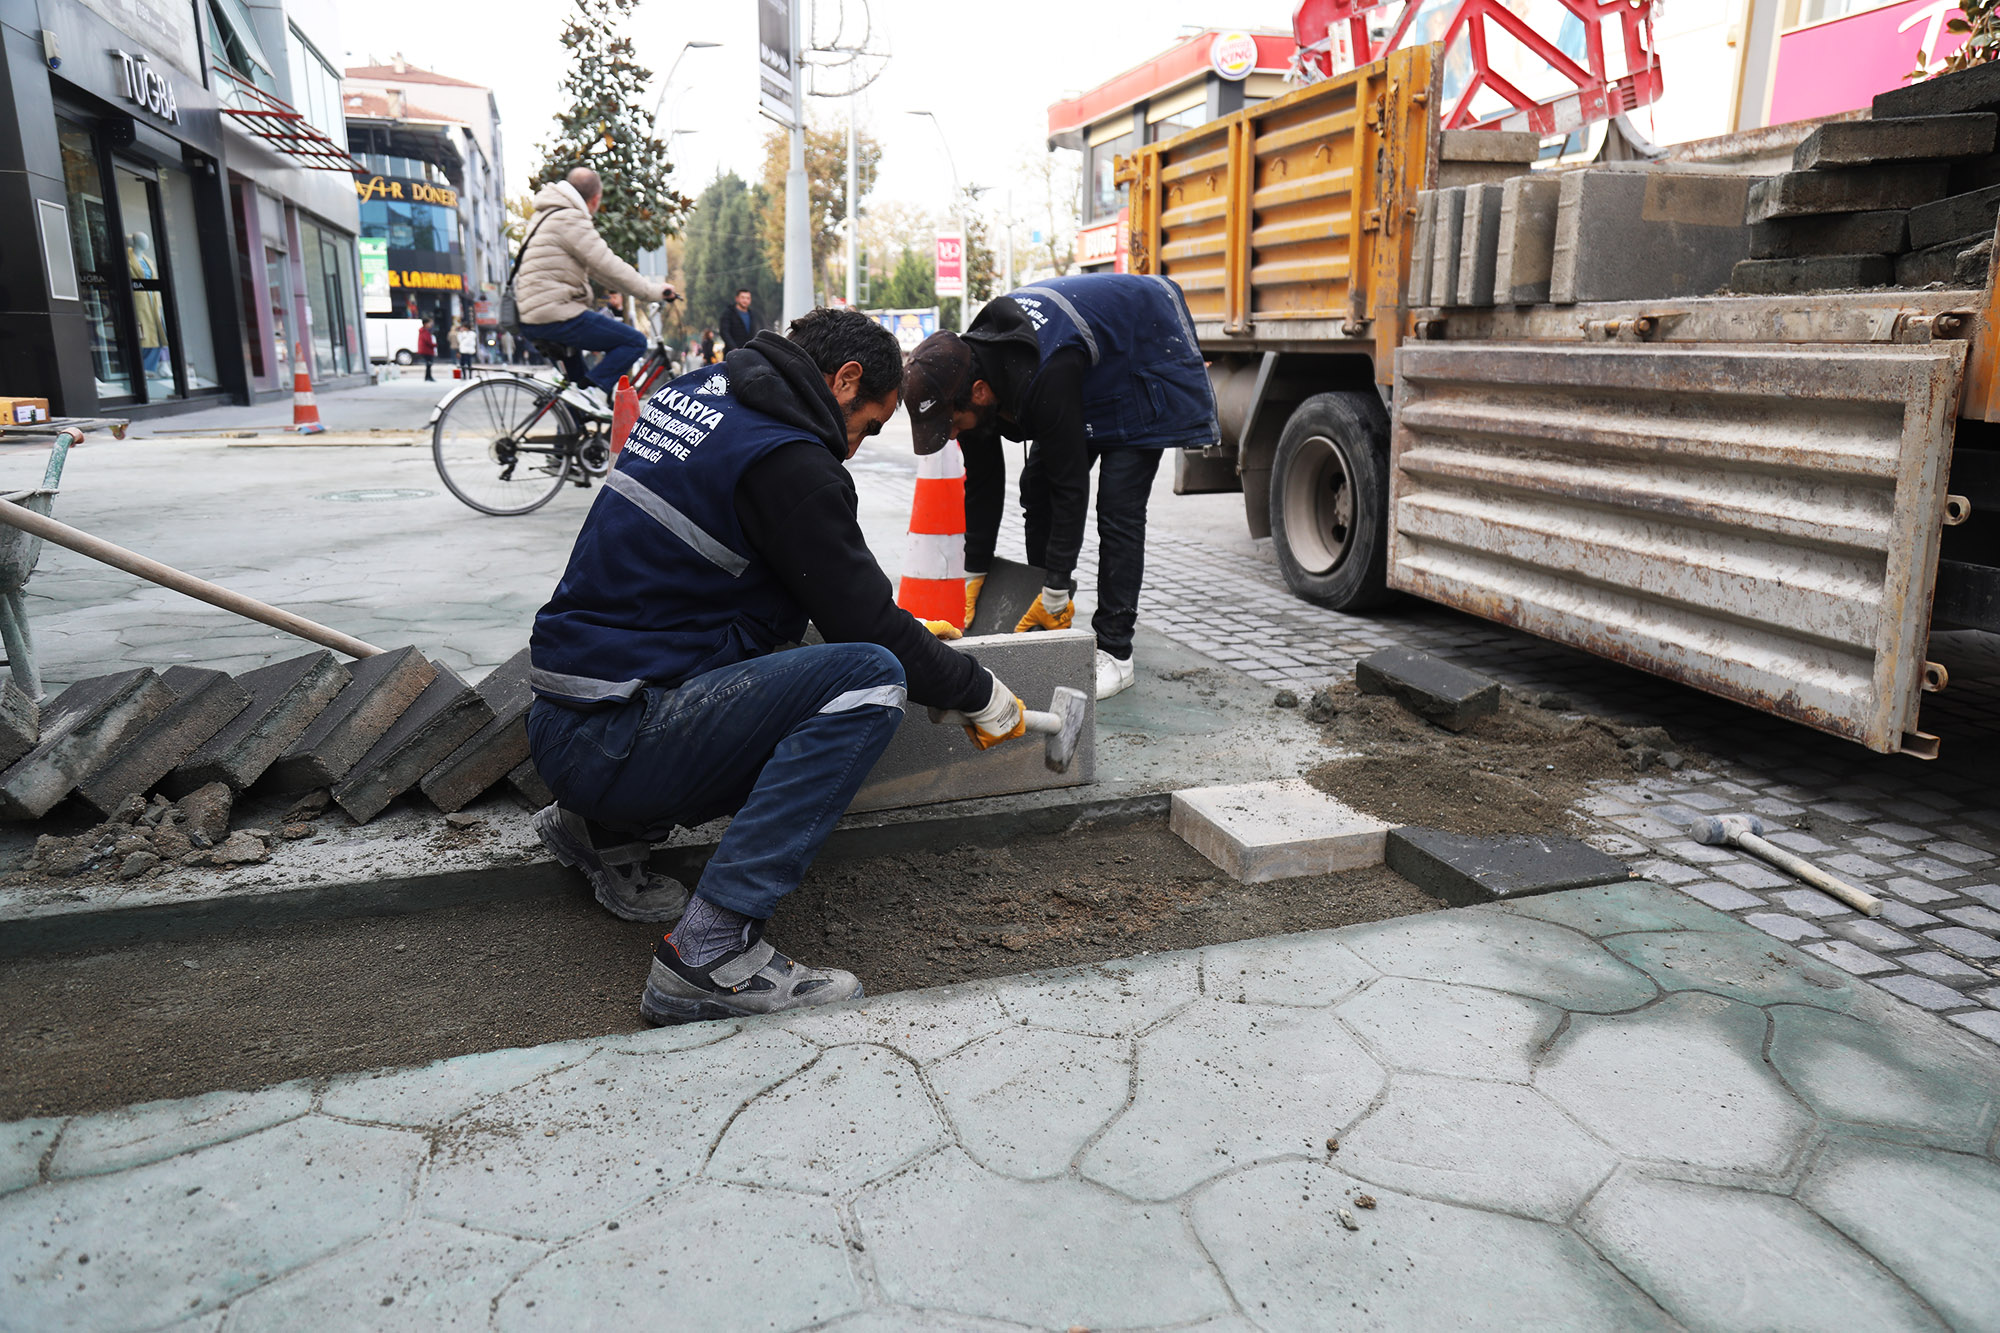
(285, 698)
(380, 690)
(204, 703)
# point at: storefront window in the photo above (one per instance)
(1180, 122)
(408, 226)
(146, 266)
(90, 237)
(328, 301)
(190, 292)
(1105, 198)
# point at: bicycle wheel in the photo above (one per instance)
(505, 446)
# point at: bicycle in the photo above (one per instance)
(506, 444)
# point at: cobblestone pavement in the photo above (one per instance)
(1611, 1108)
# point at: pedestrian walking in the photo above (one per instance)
(467, 342)
(427, 346)
(739, 323)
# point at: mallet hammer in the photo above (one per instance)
(1062, 724)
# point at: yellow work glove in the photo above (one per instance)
(973, 583)
(1002, 719)
(944, 629)
(1052, 610)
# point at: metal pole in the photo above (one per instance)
(853, 209)
(1008, 284)
(798, 200)
(62, 534)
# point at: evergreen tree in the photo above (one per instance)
(609, 129)
(725, 251)
(912, 285)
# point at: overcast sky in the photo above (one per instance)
(989, 71)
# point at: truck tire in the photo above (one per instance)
(1330, 501)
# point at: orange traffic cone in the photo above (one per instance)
(624, 413)
(305, 411)
(933, 583)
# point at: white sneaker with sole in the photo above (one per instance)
(1114, 675)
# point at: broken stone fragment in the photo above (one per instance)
(1323, 708)
(1285, 699)
(307, 806)
(293, 832)
(206, 810)
(1655, 737)
(240, 849)
(460, 820)
(137, 864)
(131, 843)
(171, 843)
(129, 812)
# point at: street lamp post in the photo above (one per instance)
(958, 208)
(668, 82)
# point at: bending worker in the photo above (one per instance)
(727, 523)
(1096, 369)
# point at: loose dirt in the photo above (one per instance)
(1522, 770)
(91, 1032)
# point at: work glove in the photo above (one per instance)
(944, 629)
(1052, 610)
(973, 583)
(1001, 720)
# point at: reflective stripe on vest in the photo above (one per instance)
(1082, 325)
(674, 521)
(879, 696)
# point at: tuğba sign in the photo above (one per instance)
(145, 88)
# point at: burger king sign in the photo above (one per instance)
(1233, 55)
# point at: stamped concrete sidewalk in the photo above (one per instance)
(1611, 1108)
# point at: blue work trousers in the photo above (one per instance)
(781, 742)
(594, 331)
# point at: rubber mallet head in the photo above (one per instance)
(1062, 724)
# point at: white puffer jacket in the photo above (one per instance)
(564, 253)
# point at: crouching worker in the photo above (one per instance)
(728, 522)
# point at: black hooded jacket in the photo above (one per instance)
(798, 508)
(1039, 401)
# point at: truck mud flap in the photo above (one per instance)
(1757, 521)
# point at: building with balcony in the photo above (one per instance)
(1191, 83)
(431, 145)
(177, 176)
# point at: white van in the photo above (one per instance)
(392, 339)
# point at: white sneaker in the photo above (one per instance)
(1114, 675)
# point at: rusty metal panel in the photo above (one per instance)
(1758, 521)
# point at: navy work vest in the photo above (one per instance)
(1146, 385)
(662, 585)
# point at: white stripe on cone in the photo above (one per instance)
(946, 464)
(935, 556)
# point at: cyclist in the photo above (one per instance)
(562, 254)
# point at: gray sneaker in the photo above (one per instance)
(755, 979)
(617, 875)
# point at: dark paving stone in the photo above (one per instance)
(1975, 89)
(496, 749)
(1011, 588)
(1811, 273)
(20, 722)
(528, 785)
(87, 723)
(1430, 687)
(285, 698)
(1959, 263)
(1853, 143)
(1463, 870)
(1883, 233)
(1970, 214)
(445, 716)
(204, 703)
(1849, 190)
(382, 688)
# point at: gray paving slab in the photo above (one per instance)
(496, 749)
(285, 697)
(380, 690)
(1137, 1144)
(204, 703)
(445, 716)
(20, 722)
(80, 728)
